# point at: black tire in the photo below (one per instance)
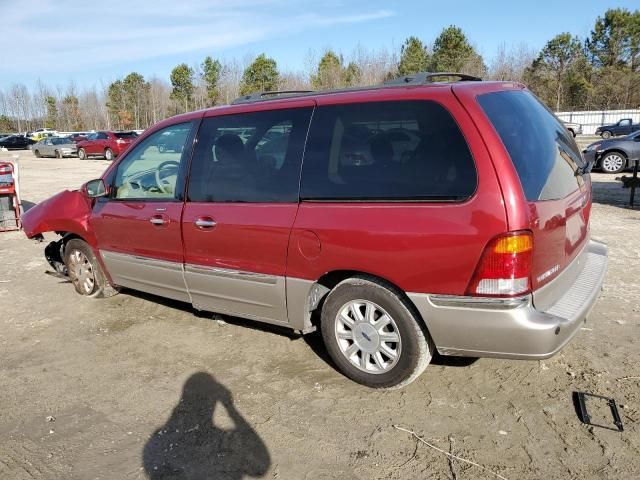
(37, 153)
(415, 345)
(161, 148)
(613, 162)
(606, 134)
(82, 154)
(108, 154)
(58, 154)
(99, 287)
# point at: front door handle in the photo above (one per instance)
(205, 223)
(158, 220)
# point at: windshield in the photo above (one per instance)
(59, 141)
(126, 134)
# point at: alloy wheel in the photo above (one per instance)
(81, 272)
(612, 163)
(368, 336)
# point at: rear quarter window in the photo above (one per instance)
(543, 152)
(386, 151)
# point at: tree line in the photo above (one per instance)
(601, 71)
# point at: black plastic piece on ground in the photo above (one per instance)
(581, 409)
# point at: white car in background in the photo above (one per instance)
(574, 128)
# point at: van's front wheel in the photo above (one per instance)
(372, 335)
(84, 270)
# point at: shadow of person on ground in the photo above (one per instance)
(191, 446)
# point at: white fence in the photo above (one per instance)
(590, 120)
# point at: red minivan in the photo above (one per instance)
(399, 220)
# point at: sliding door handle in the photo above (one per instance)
(205, 223)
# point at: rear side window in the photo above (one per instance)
(545, 155)
(405, 150)
(249, 157)
(126, 134)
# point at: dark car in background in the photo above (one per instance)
(623, 127)
(614, 155)
(16, 142)
(105, 144)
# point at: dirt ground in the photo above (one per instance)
(136, 387)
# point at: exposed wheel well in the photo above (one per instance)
(333, 278)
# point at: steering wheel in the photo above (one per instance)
(161, 185)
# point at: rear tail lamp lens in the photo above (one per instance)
(505, 267)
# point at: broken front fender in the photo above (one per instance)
(65, 212)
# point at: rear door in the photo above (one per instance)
(92, 144)
(242, 201)
(547, 161)
(138, 225)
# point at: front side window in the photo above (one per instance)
(149, 171)
(250, 157)
(394, 151)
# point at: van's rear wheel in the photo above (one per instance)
(372, 335)
(108, 154)
(84, 270)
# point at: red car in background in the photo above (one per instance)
(105, 144)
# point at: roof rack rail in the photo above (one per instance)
(257, 96)
(421, 78)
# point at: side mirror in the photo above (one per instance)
(95, 188)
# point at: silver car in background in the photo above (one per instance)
(55, 147)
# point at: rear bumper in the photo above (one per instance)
(515, 328)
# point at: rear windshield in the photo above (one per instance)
(126, 134)
(545, 155)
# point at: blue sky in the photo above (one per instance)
(94, 42)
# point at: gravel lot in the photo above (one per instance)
(139, 387)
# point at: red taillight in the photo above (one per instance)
(504, 269)
(6, 168)
(120, 141)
